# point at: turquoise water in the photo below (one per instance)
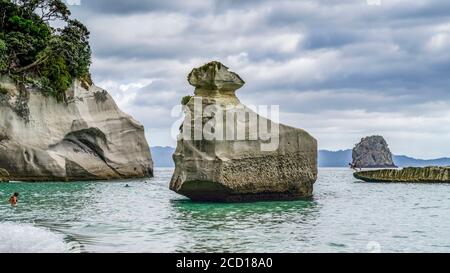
(345, 216)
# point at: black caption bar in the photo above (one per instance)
(187, 263)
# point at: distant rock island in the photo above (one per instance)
(372, 152)
(87, 138)
(241, 169)
(407, 175)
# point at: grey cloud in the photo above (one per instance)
(318, 60)
(139, 6)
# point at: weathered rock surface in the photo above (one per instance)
(4, 176)
(88, 138)
(239, 169)
(372, 152)
(407, 175)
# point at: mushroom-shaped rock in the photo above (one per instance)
(228, 153)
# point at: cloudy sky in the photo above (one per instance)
(341, 70)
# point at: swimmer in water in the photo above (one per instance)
(13, 199)
(127, 186)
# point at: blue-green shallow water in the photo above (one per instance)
(345, 216)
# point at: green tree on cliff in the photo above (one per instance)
(3, 56)
(34, 52)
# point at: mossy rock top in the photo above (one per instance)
(215, 76)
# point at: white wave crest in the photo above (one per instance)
(26, 238)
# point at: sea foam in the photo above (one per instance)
(26, 238)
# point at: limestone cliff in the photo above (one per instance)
(407, 175)
(232, 168)
(4, 175)
(87, 138)
(372, 152)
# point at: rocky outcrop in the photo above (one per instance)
(4, 176)
(372, 152)
(407, 175)
(276, 165)
(87, 138)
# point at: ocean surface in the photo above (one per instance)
(345, 216)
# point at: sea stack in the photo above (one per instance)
(85, 138)
(372, 152)
(225, 153)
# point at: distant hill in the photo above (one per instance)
(343, 157)
(405, 161)
(335, 159)
(162, 157)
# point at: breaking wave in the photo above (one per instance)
(27, 238)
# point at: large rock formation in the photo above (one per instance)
(280, 165)
(372, 152)
(407, 175)
(87, 138)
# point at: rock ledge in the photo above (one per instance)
(407, 175)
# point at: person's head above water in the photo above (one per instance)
(13, 199)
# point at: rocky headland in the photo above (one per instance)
(85, 138)
(372, 152)
(407, 175)
(55, 124)
(238, 169)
